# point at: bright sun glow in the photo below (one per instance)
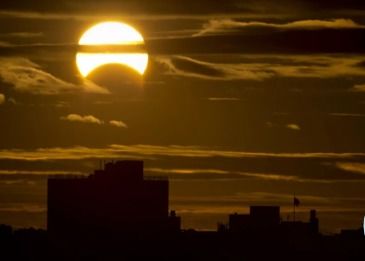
(111, 33)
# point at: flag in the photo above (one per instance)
(296, 202)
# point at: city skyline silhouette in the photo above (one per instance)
(118, 212)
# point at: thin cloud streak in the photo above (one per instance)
(225, 175)
(147, 17)
(252, 67)
(355, 115)
(149, 151)
(181, 66)
(354, 167)
(10, 173)
(358, 88)
(236, 174)
(22, 207)
(224, 26)
(2, 98)
(23, 35)
(223, 99)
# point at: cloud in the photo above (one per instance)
(93, 120)
(219, 174)
(12, 100)
(316, 66)
(284, 8)
(358, 88)
(118, 124)
(223, 26)
(184, 163)
(354, 167)
(293, 126)
(23, 35)
(2, 98)
(290, 126)
(28, 77)
(119, 16)
(356, 115)
(138, 8)
(145, 151)
(223, 99)
(9, 174)
(83, 119)
(189, 67)
(261, 67)
(22, 207)
(5, 44)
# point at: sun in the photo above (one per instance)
(119, 37)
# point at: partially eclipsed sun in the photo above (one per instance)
(114, 34)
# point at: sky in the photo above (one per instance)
(243, 103)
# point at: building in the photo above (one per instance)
(115, 200)
(239, 222)
(267, 219)
(259, 218)
(265, 216)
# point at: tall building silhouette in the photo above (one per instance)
(114, 200)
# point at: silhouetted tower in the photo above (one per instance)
(115, 200)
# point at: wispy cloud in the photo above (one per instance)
(218, 99)
(22, 207)
(93, 120)
(83, 16)
(358, 88)
(147, 151)
(23, 35)
(293, 126)
(5, 44)
(219, 26)
(84, 119)
(180, 163)
(355, 167)
(355, 115)
(229, 175)
(28, 77)
(23, 173)
(2, 98)
(189, 67)
(222, 174)
(118, 124)
(261, 67)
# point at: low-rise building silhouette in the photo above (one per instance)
(116, 199)
(259, 218)
(267, 219)
(265, 216)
